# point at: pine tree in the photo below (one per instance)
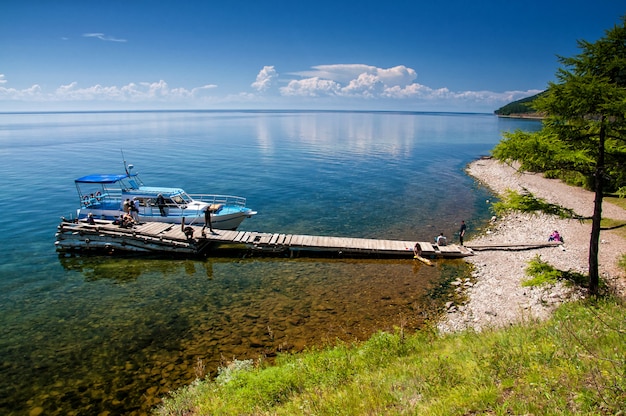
(584, 130)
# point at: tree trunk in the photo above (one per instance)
(594, 277)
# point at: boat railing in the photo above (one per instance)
(229, 200)
(95, 200)
(112, 199)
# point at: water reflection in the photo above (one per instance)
(88, 335)
(149, 322)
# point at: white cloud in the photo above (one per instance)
(311, 87)
(398, 75)
(396, 83)
(324, 86)
(102, 36)
(143, 91)
(350, 80)
(365, 85)
(265, 79)
(33, 93)
(345, 73)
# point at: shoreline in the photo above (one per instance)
(494, 296)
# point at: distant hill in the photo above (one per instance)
(520, 108)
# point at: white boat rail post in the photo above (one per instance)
(197, 214)
(143, 206)
(148, 209)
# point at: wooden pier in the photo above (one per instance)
(159, 237)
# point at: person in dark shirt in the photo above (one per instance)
(207, 219)
(161, 204)
(462, 231)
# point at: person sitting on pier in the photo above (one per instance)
(126, 221)
(90, 219)
(417, 250)
(187, 230)
(441, 240)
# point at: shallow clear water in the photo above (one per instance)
(85, 335)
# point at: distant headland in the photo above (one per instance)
(520, 109)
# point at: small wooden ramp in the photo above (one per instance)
(514, 247)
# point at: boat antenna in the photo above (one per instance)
(124, 159)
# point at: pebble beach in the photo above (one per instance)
(494, 296)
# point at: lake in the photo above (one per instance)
(97, 334)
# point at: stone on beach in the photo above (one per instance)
(497, 297)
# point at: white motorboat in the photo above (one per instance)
(104, 197)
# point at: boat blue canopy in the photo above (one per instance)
(103, 178)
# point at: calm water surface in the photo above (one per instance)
(86, 335)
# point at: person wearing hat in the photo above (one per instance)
(134, 209)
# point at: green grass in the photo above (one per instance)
(572, 364)
(620, 202)
(618, 227)
(527, 202)
(542, 273)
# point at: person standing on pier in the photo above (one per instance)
(126, 206)
(134, 209)
(462, 231)
(161, 204)
(207, 219)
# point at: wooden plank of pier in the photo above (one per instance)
(158, 237)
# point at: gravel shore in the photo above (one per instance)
(495, 296)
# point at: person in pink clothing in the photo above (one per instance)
(555, 236)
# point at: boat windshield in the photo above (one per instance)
(131, 182)
(181, 198)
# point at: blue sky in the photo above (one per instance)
(413, 55)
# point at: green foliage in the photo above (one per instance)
(544, 152)
(228, 373)
(541, 273)
(585, 125)
(572, 364)
(527, 202)
(523, 106)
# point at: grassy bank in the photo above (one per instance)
(574, 363)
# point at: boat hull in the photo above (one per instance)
(226, 221)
